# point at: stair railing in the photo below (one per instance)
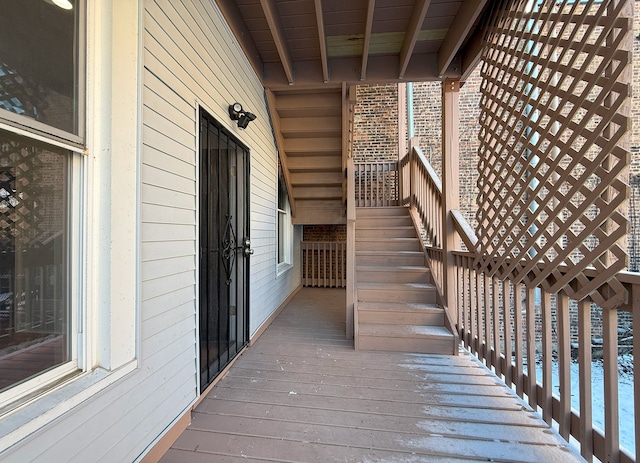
(323, 264)
(376, 183)
(541, 344)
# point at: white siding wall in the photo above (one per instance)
(190, 58)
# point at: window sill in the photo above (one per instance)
(52, 404)
(283, 268)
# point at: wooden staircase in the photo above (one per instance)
(308, 127)
(397, 302)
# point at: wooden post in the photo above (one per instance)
(450, 188)
(402, 120)
(351, 315)
(414, 142)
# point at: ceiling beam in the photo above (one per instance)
(232, 15)
(381, 69)
(367, 39)
(472, 54)
(460, 27)
(323, 40)
(277, 32)
(411, 36)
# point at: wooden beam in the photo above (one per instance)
(323, 40)
(232, 15)
(275, 120)
(380, 70)
(472, 54)
(411, 35)
(460, 27)
(367, 39)
(277, 32)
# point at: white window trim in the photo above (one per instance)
(287, 263)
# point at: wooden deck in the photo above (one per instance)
(302, 394)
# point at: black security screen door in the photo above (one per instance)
(224, 248)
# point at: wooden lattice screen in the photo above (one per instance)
(554, 145)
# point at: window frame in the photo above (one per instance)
(284, 235)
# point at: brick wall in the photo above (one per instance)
(376, 122)
(324, 233)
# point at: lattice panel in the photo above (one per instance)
(20, 189)
(554, 145)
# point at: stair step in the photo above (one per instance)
(384, 221)
(405, 338)
(396, 292)
(385, 232)
(388, 244)
(381, 211)
(378, 257)
(393, 274)
(398, 313)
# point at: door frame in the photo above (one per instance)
(200, 113)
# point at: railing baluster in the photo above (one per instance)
(585, 378)
(506, 322)
(495, 310)
(610, 361)
(472, 307)
(479, 314)
(532, 389)
(547, 359)
(564, 363)
(517, 315)
(487, 320)
(464, 298)
(635, 314)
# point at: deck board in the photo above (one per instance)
(302, 394)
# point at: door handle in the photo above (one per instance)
(246, 245)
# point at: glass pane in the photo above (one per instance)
(38, 61)
(34, 312)
(282, 230)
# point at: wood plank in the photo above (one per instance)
(458, 31)
(325, 145)
(315, 163)
(411, 35)
(322, 39)
(299, 396)
(375, 422)
(371, 6)
(275, 26)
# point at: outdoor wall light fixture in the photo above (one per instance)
(243, 117)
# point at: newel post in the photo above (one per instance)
(414, 142)
(450, 189)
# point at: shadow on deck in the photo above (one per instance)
(302, 394)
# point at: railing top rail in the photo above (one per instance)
(432, 173)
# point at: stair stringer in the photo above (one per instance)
(415, 218)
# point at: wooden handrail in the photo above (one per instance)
(498, 320)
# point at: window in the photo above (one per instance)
(40, 83)
(34, 233)
(40, 111)
(284, 225)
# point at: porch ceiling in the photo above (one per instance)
(312, 43)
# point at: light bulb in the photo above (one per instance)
(64, 4)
